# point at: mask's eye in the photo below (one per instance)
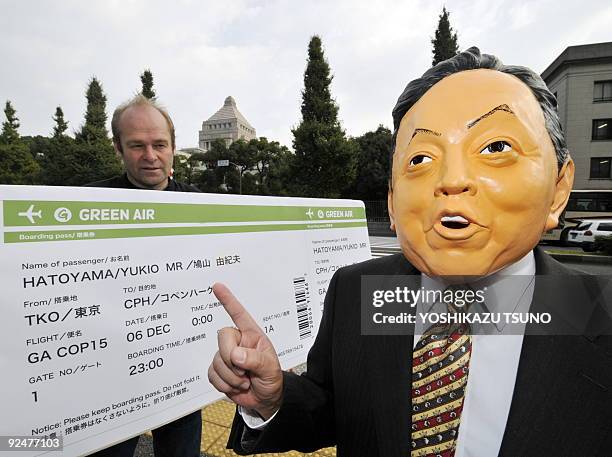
(497, 146)
(419, 159)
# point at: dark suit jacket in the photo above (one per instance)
(356, 392)
(122, 182)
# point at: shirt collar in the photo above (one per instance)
(506, 291)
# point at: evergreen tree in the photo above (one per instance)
(324, 159)
(60, 124)
(317, 103)
(91, 162)
(373, 165)
(17, 166)
(70, 163)
(91, 156)
(60, 161)
(445, 41)
(37, 145)
(94, 129)
(147, 84)
(10, 134)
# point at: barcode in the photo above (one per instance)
(302, 304)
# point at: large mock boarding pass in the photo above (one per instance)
(109, 322)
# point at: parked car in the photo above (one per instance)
(584, 235)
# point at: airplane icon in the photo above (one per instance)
(309, 213)
(30, 213)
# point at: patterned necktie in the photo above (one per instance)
(440, 365)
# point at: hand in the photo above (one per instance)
(246, 367)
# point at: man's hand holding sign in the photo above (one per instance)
(246, 367)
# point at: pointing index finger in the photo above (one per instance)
(240, 316)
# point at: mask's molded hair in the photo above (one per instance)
(471, 59)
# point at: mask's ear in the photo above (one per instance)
(563, 188)
(390, 208)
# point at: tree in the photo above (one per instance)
(10, 134)
(445, 40)
(182, 169)
(60, 158)
(324, 159)
(213, 178)
(57, 160)
(317, 103)
(37, 145)
(91, 157)
(147, 84)
(272, 165)
(261, 165)
(373, 165)
(225, 179)
(69, 163)
(94, 129)
(17, 166)
(60, 124)
(243, 156)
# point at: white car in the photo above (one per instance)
(584, 235)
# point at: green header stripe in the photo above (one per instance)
(26, 213)
(98, 234)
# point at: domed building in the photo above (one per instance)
(226, 124)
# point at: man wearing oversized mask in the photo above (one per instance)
(480, 170)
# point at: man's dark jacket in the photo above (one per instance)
(122, 182)
(356, 392)
(182, 436)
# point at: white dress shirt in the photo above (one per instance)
(493, 362)
(494, 359)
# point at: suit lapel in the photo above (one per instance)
(389, 363)
(390, 376)
(560, 403)
(551, 392)
(531, 399)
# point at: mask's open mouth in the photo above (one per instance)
(454, 222)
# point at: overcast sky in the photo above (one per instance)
(201, 51)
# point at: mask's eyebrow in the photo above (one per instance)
(503, 107)
(426, 131)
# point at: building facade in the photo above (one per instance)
(227, 124)
(581, 79)
(185, 154)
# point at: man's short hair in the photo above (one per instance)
(471, 59)
(139, 100)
